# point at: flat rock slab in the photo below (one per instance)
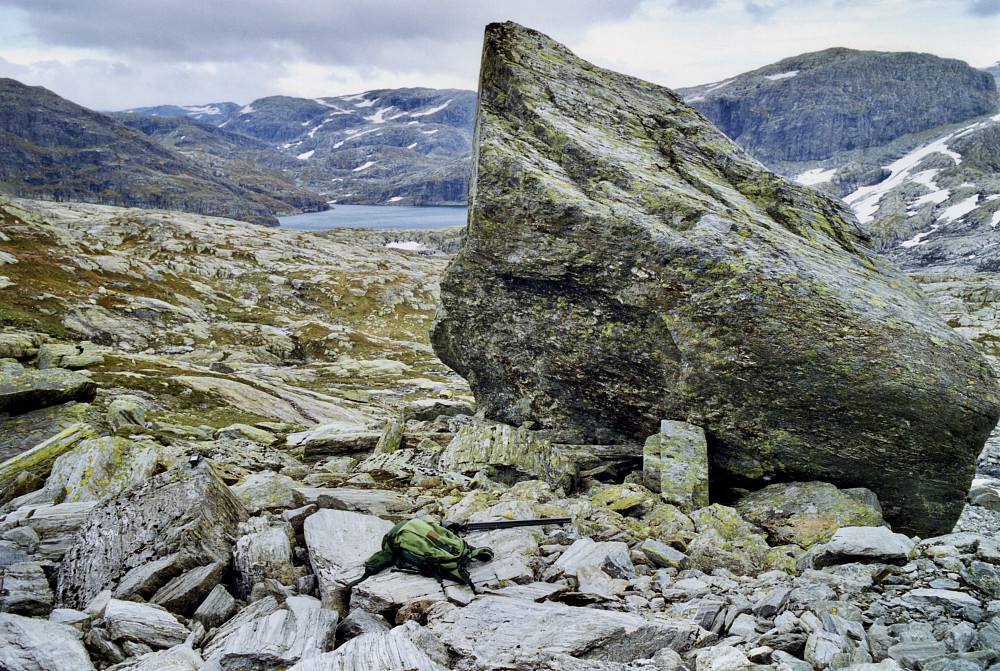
(339, 542)
(55, 524)
(492, 630)
(386, 651)
(625, 262)
(23, 389)
(39, 459)
(190, 508)
(387, 592)
(25, 590)
(873, 544)
(300, 630)
(143, 623)
(30, 644)
(586, 552)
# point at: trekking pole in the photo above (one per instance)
(503, 524)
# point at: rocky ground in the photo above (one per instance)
(209, 426)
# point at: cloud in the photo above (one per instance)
(691, 5)
(758, 11)
(984, 7)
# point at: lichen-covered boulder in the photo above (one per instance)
(99, 468)
(625, 262)
(23, 389)
(186, 511)
(806, 513)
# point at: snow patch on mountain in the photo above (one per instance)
(815, 176)
(433, 110)
(782, 75)
(364, 166)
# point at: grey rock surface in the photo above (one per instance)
(192, 510)
(29, 644)
(492, 630)
(616, 238)
(24, 590)
(143, 623)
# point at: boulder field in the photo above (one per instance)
(625, 263)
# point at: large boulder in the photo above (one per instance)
(184, 517)
(626, 263)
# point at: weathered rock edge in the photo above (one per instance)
(624, 262)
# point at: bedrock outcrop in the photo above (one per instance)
(626, 263)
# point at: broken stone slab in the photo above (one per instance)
(178, 658)
(183, 594)
(625, 262)
(23, 389)
(334, 439)
(404, 462)
(263, 550)
(24, 590)
(663, 555)
(381, 502)
(78, 355)
(675, 464)
(956, 603)
(492, 629)
(244, 432)
(865, 544)
(507, 454)
(217, 607)
(192, 510)
(586, 552)
(503, 569)
(144, 580)
(339, 542)
(143, 623)
(31, 644)
(807, 513)
(360, 622)
(984, 577)
(266, 491)
(535, 591)
(392, 650)
(55, 524)
(391, 438)
(39, 459)
(20, 344)
(100, 467)
(257, 610)
(384, 594)
(301, 630)
(126, 411)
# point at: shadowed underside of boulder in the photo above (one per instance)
(626, 263)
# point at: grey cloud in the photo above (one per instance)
(984, 7)
(691, 5)
(759, 11)
(339, 32)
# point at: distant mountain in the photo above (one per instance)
(405, 146)
(251, 162)
(995, 71)
(214, 113)
(409, 146)
(52, 148)
(811, 106)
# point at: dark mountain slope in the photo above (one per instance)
(808, 107)
(54, 149)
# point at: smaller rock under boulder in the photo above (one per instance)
(24, 590)
(508, 454)
(675, 463)
(807, 513)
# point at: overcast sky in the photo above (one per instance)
(117, 54)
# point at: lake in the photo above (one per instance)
(377, 216)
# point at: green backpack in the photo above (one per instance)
(427, 548)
